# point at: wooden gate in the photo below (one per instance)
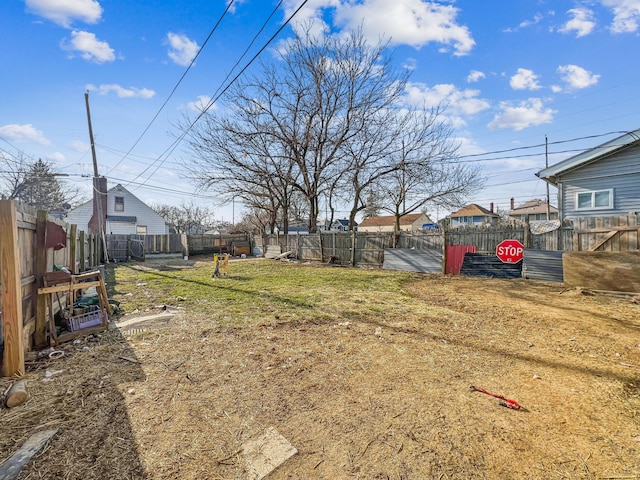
(606, 234)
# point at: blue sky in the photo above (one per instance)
(510, 72)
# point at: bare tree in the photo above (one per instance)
(293, 121)
(325, 120)
(429, 172)
(188, 218)
(35, 183)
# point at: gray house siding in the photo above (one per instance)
(620, 173)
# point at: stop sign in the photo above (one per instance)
(510, 251)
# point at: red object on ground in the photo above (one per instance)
(512, 404)
(510, 251)
(455, 256)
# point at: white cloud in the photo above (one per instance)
(577, 77)
(522, 115)
(90, 48)
(182, 50)
(537, 18)
(405, 22)
(474, 76)
(63, 12)
(122, 92)
(234, 5)
(24, 134)
(527, 23)
(201, 103)
(458, 103)
(525, 79)
(581, 22)
(79, 146)
(55, 157)
(626, 15)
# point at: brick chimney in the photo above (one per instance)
(491, 207)
(99, 218)
(513, 204)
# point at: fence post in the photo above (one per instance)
(40, 332)
(83, 259)
(445, 237)
(73, 233)
(353, 248)
(13, 358)
(527, 233)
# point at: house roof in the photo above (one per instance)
(472, 210)
(390, 220)
(344, 222)
(532, 206)
(595, 154)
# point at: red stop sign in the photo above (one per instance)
(510, 251)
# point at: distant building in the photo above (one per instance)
(473, 215)
(122, 213)
(533, 210)
(412, 222)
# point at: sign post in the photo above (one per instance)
(510, 251)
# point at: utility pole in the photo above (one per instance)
(93, 145)
(546, 164)
(97, 189)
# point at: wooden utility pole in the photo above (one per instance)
(546, 164)
(93, 145)
(97, 192)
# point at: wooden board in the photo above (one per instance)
(13, 357)
(612, 271)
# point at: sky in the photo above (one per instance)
(510, 73)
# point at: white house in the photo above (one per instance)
(124, 214)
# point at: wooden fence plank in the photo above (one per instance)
(40, 333)
(13, 358)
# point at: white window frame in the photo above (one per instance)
(139, 229)
(116, 204)
(593, 200)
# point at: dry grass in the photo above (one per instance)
(366, 373)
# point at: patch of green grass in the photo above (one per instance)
(260, 290)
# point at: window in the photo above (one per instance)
(119, 205)
(596, 199)
(141, 229)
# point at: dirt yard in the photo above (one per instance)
(365, 380)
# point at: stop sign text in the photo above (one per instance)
(510, 251)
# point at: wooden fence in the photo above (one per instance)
(31, 243)
(613, 234)
(124, 247)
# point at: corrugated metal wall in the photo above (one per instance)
(543, 265)
(409, 260)
(487, 265)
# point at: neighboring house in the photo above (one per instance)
(342, 225)
(533, 210)
(413, 222)
(604, 180)
(124, 213)
(473, 215)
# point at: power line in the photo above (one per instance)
(184, 74)
(173, 146)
